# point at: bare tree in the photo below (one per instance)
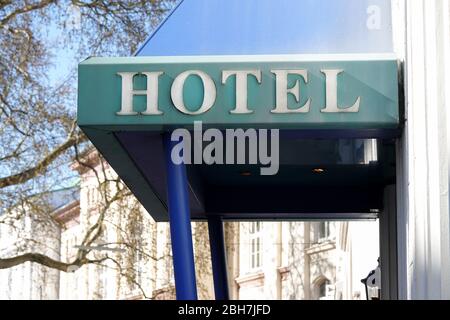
(38, 133)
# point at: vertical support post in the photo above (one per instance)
(388, 246)
(218, 258)
(180, 226)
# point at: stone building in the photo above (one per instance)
(266, 260)
(302, 260)
(139, 264)
(26, 230)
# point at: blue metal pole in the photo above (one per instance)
(218, 258)
(180, 226)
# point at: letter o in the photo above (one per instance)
(209, 92)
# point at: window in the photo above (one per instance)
(168, 277)
(93, 198)
(138, 265)
(324, 230)
(88, 193)
(101, 270)
(100, 290)
(137, 253)
(323, 289)
(43, 279)
(73, 285)
(67, 245)
(255, 245)
(10, 284)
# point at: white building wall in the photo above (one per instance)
(422, 37)
(251, 281)
(297, 261)
(29, 280)
(364, 253)
(296, 278)
(271, 258)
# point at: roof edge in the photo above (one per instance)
(157, 29)
(243, 58)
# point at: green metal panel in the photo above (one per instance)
(373, 78)
(129, 172)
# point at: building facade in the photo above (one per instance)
(307, 260)
(414, 227)
(25, 230)
(140, 265)
(422, 42)
(301, 260)
(266, 260)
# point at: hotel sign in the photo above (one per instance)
(287, 92)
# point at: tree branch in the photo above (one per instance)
(25, 9)
(33, 172)
(45, 261)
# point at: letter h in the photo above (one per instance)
(128, 93)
